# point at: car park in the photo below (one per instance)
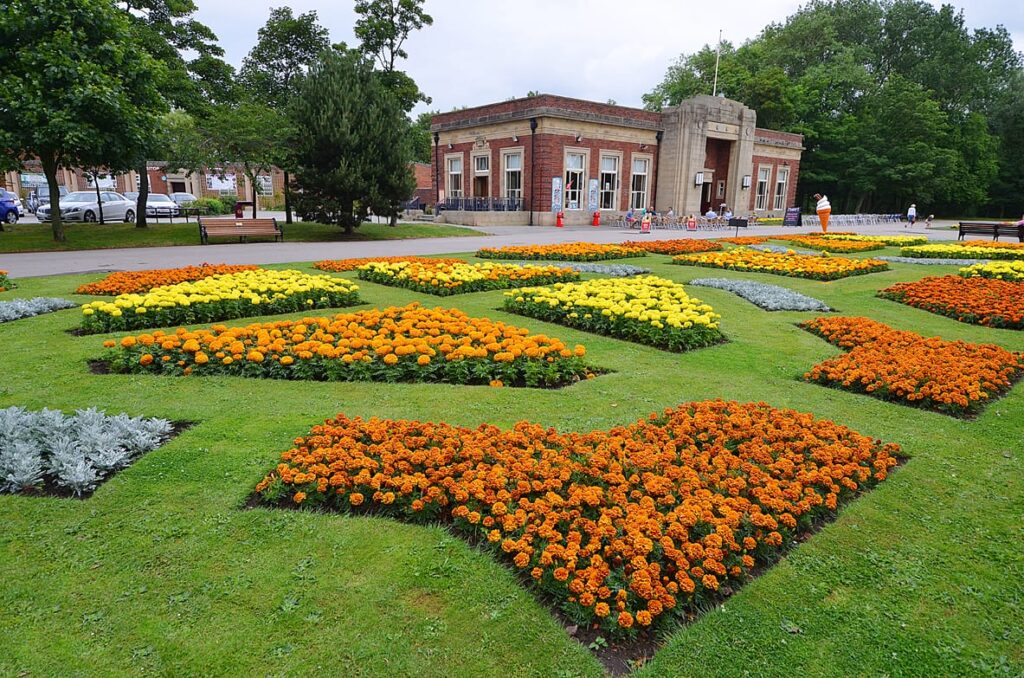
(83, 206)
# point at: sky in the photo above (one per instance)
(483, 51)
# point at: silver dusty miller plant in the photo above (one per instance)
(73, 452)
(17, 309)
(768, 297)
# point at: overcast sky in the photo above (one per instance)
(482, 51)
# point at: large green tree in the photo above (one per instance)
(286, 48)
(78, 90)
(897, 100)
(349, 143)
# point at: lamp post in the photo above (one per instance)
(437, 169)
(533, 164)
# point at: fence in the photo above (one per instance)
(477, 204)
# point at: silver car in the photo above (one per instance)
(159, 205)
(183, 198)
(82, 206)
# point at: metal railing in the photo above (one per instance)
(478, 204)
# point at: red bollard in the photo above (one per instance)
(560, 219)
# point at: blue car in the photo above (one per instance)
(9, 213)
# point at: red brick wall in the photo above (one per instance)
(774, 163)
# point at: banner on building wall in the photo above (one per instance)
(556, 194)
(33, 179)
(102, 182)
(592, 190)
(218, 183)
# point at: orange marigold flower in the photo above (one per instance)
(625, 620)
(146, 359)
(299, 497)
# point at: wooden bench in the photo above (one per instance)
(992, 228)
(238, 228)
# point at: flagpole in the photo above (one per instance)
(718, 54)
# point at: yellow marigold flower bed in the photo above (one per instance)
(445, 279)
(679, 246)
(5, 282)
(625, 529)
(793, 265)
(341, 265)
(220, 297)
(893, 240)
(953, 377)
(819, 242)
(971, 249)
(407, 344)
(573, 251)
(127, 282)
(645, 309)
(1000, 270)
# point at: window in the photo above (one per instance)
(574, 164)
(514, 176)
(482, 164)
(138, 182)
(264, 185)
(454, 184)
(781, 181)
(609, 198)
(638, 188)
(761, 202)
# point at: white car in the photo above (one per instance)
(82, 206)
(159, 205)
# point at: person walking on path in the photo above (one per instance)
(911, 215)
(824, 210)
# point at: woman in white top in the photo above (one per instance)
(824, 210)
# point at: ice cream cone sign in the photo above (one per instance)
(824, 210)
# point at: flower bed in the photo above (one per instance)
(745, 240)
(680, 246)
(48, 451)
(1000, 270)
(625, 529)
(975, 300)
(611, 270)
(648, 310)
(573, 251)
(5, 282)
(768, 297)
(220, 297)
(793, 265)
(891, 240)
(818, 242)
(952, 377)
(447, 279)
(410, 344)
(133, 282)
(341, 265)
(976, 249)
(932, 262)
(17, 309)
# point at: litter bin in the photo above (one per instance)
(240, 208)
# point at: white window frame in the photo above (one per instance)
(615, 190)
(641, 194)
(505, 190)
(454, 191)
(761, 194)
(579, 191)
(781, 187)
(485, 172)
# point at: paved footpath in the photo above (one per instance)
(137, 258)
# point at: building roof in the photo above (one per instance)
(546, 105)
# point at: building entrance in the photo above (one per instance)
(481, 187)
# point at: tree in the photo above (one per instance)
(349, 143)
(78, 89)
(420, 139)
(249, 136)
(286, 48)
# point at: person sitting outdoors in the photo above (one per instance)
(728, 214)
(711, 214)
(630, 217)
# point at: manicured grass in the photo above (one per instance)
(163, 571)
(39, 238)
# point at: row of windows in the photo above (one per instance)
(575, 180)
(781, 184)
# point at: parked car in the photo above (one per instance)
(183, 198)
(131, 195)
(40, 196)
(82, 206)
(160, 205)
(9, 212)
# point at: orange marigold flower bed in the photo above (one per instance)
(952, 377)
(680, 246)
(5, 282)
(340, 265)
(816, 242)
(408, 344)
(979, 301)
(745, 240)
(644, 522)
(133, 282)
(572, 251)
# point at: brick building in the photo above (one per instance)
(538, 155)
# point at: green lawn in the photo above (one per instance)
(38, 237)
(163, 571)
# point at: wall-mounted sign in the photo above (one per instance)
(556, 194)
(102, 182)
(33, 179)
(215, 182)
(592, 191)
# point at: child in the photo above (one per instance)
(928, 221)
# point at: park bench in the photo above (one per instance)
(238, 228)
(992, 228)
